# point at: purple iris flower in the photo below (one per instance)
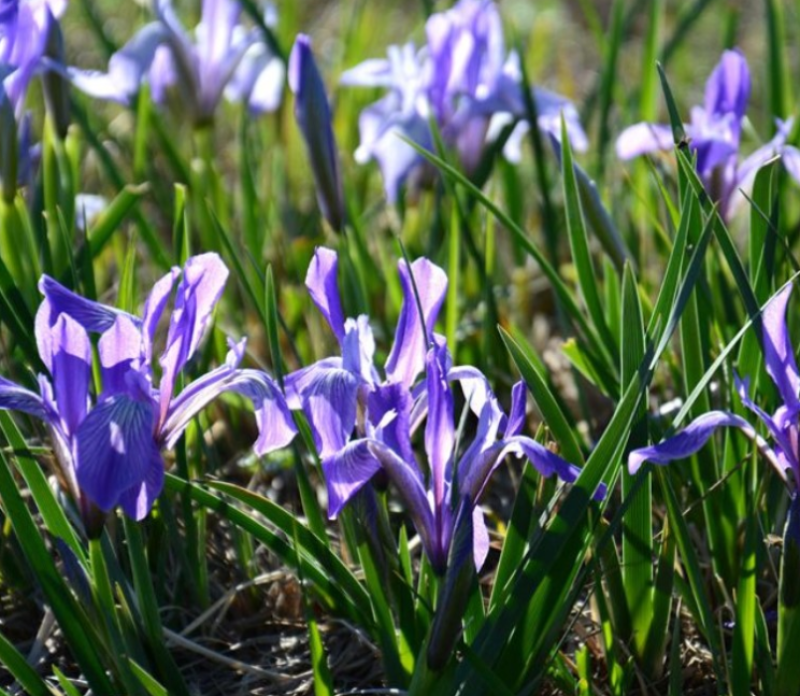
(715, 133)
(109, 451)
(343, 395)
(313, 115)
(223, 59)
(784, 455)
(463, 79)
(24, 30)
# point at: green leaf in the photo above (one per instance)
(545, 401)
(77, 630)
(28, 678)
(337, 585)
(637, 528)
(579, 244)
(147, 680)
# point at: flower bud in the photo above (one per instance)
(9, 148)
(313, 115)
(55, 83)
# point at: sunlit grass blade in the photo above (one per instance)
(746, 598)
(579, 244)
(112, 217)
(150, 684)
(608, 81)
(637, 529)
(779, 96)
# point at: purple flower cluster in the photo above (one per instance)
(463, 80)
(109, 448)
(223, 59)
(363, 422)
(715, 132)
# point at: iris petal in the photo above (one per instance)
(115, 450)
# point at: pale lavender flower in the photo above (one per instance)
(109, 451)
(313, 115)
(25, 27)
(784, 454)
(465, 81)
(223, 59)
(714, 135)
(343, 396)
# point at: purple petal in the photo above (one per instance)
(688, 441)
(163, 74)
(374, 72)
(490, 420)
(138, 500)
(778, 349)
(329, 396)
(389, 409)
(72, 366)
(358, 349)
(728, 86)
(313, 116)
(92, 316)
(516, 417)
(474, 385)
(16, 398)
(791, 160)
(322, 284)
(115, 450)
(296, 383)
(480, 537)
(346, 472)
(154, 308)
(126, 68)
(439, 430)
(217, 21)
(275, 424)
(643, 138)
(258, 80)
(200, 288)
(120, 349)
(412, 336)
(544, 461)
(781, 425)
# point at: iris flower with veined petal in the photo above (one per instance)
(110, 451)
(343, 395)
(224, 59)
(784, 455)
(714, 135)
(464, 80)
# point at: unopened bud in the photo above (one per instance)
(313, 115)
